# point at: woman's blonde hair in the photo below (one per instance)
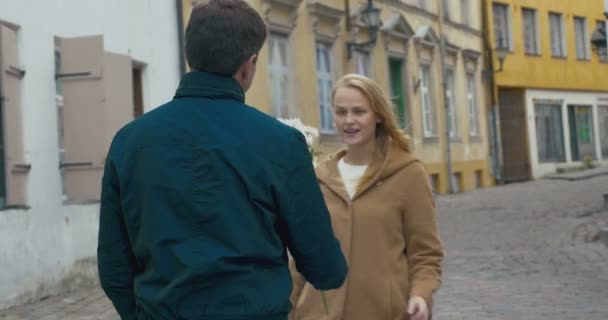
(387, 130)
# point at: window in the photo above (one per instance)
(457, 182)
(325, 83)
(97, 92)
(450, 95)
(446, 9)
(422, 4)
(549, 134)
(602, 112)
(472, 100)
(581, 37)
(465, 12)
(434, 179)
(13, 169)
(558, 45)
(2, 155)
(478, 179)
(60, 130)
(278, 72)
(502, 25)
(428, 123)
(530, 21)
(362, 60)
(138, 98)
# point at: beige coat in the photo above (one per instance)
(389, 237)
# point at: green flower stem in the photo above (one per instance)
(325, 305)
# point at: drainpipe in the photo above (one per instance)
(495, 142)
(446, 102)
(180, 36)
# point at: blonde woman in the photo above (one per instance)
(382, 213)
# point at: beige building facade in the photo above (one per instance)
(307, 51)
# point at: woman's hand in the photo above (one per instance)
(417, 308)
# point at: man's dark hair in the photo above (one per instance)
(222, 34)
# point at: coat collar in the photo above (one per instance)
(329, 174)
(209, 85)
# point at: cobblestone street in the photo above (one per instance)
(521, 251)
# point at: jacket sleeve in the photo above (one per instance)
(115, 260)
(423, 246)
(298, 283)
(309, 234)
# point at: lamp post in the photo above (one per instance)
(501, 53)
(598, 40)
(371, 18)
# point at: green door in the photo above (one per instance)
(2, 164)
(581, 132)
(397, 89)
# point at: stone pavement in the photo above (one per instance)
(525, 251)
(520, 251)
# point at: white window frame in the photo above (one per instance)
(451, 97)
(535, 32)
(561, 36)
(472, 102)
(280, 100)
(325, 81)
(582, 39)
(507, 33)
(426, 101)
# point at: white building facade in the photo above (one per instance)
(72, 73)
(566, 128)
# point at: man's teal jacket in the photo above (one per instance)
(201, 199)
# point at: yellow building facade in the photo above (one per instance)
(551, 93)
(307, 51)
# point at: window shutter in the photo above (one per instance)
(16, 169)
(98, 100)
(118, 83)
(81, 74)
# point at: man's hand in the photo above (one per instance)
(418, 309)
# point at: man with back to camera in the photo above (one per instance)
(202, 196)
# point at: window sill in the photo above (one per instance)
(534, 55)
(560, 57)
(553, 161)
(475, 139)
(430, 140)
(15, 207)
(456, 139)
(583, 59)
(80, 203)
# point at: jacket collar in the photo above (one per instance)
(209, 85)
(329, 174)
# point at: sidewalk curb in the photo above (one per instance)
(575, 178)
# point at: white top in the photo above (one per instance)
(350, 175)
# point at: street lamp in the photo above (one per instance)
(501, 53)
(371, 18)
(598, 41)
